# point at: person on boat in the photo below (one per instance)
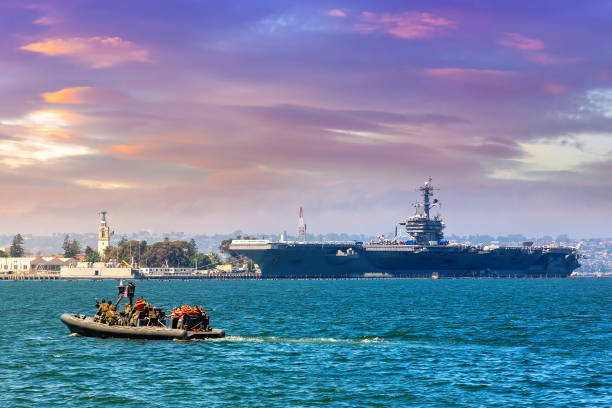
(138, 308)
(125, 315)
(205, 319)
(196, 318)
(180, 317)
(97, 304)
(140, 304)
(174, 316)
(152, 317)
(111, 315)
(102, 311)
(99, 309)
(187, 312)
(102, 307)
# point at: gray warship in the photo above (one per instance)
(419, 251)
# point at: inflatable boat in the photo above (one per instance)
(86, 326)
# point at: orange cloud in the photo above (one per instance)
(80, 95)
(404, 25)
(126, 149)
(96, 52)
(336, 13)
(67, 95)
(102, 184)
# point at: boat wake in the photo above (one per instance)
(315, 340)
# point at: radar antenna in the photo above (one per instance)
(428, 191)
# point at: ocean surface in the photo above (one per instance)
(345, 343)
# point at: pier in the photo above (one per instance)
(29, 276)
(207, 276)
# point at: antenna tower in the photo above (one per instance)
(301, 227)
(427, 191)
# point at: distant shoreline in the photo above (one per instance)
(199, 278)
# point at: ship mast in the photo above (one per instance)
(301, 227)
(427, 191)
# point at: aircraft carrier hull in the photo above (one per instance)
(355, 260)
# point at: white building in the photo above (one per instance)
(97, 270)
(27, 265)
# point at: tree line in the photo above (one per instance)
(166, 253)
(169, 254)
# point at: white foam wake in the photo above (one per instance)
(273, 339)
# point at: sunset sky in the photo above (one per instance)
(211, 116)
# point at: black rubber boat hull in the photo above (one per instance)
(85, 326)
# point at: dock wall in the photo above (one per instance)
(97, 273)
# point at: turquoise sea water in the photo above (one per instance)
(433, 343)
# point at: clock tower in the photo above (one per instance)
(103, 234)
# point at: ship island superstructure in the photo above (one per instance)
(418, 249)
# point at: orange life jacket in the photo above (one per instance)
(140, 305)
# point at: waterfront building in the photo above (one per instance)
(97, 270)
(33, 265)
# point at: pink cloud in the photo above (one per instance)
(514, 40)
(492, 80)
(335, 13)
(545, 58)
(49, 13)
(533, 49)
(96, 52)
(465, 73)
(47, 20)
(480, 80)
(407, 25)
(555, 89)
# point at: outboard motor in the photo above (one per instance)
(127, 291)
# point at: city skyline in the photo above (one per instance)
(204, 117)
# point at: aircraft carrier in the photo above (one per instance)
(417, 250)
